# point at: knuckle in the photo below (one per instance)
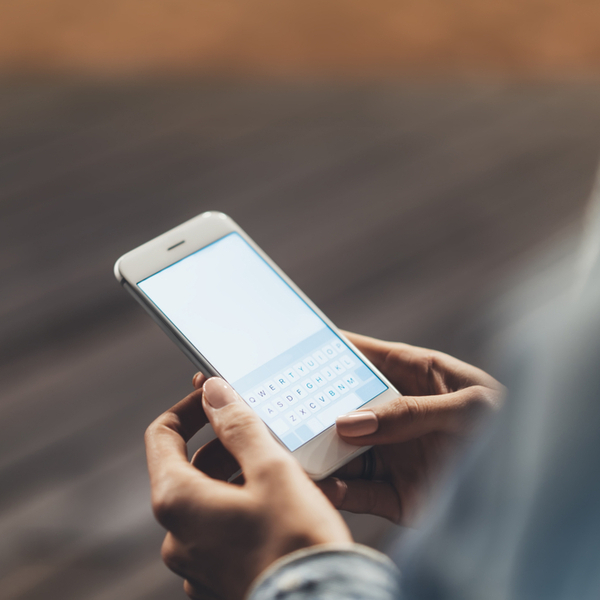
(391, 360)
(196, 591)
(412, 410)
(273, 469)
(480, 402)
(165, 506)
(433, 369)
(427, 369)
(280, 462)
(170, 556)
(238, 426)
(483, 398)
(190, 590)
(336, 490)
(162, 511)
(150, 431)
(167, 419)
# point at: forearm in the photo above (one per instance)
(328, 572)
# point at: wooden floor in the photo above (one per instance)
(401, 210)
(553, 40)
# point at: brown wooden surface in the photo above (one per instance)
(549, 40)
(400, 210)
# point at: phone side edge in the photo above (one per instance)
(117, 271)
(193, 356)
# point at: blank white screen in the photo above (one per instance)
(232, 306)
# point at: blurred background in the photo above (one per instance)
(417, 167)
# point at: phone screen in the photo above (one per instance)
(255, 330)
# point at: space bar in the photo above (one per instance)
(341, 407)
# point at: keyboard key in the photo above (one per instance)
(282, 381)
(319, 379)
(320, 357)
(268, 410)
(315, 426)
(311, 363)
(331, 393)
(279, 404)
(292, 441)
(328, 374)
(291, 375)
(372, 388)
(301, 369)
(312, 405)
(350, 381)
(328, 351)
(272, 387)
(302, 411)
(363, 372)
(300, 392)
(340, 387)
(251, 399)
(279, 426)
(338, 346)
(310, 385)
(290, 399)
(336, 367)
(304, 433)
(347, 361)
(293, 419)
(322, 399)
(262, 393)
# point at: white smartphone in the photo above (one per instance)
(236, 315)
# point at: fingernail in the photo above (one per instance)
(196, 379)
(355, 424)
(218, 393)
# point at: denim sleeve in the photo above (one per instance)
(350, 572)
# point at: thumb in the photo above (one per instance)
(239, 428)
(409, 417)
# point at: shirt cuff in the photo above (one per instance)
(329, 571)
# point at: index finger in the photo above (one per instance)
(405, 357)
(398, 362)
(375, 350)
(412, 369)
(166, 437)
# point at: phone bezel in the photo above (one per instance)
(320, 456)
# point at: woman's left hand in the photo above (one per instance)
(415, 436)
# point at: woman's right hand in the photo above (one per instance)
(221, 536)
(413, 436)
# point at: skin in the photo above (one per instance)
(221, 536)
(417, 435)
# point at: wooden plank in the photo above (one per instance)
(399, 209)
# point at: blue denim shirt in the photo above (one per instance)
(329, 572)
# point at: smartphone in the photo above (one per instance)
(236, 315)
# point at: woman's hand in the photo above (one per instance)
(220, 535)
(415, 435)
